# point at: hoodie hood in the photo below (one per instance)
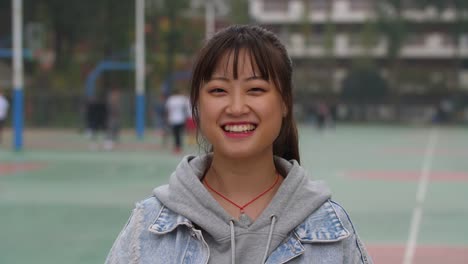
(297, 197)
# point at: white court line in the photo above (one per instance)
(420, 197)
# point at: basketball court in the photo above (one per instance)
(404, 187)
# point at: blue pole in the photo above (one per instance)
(140, 115)
(18, 118)
(7, 53)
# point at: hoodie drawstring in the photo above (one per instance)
(233, 240)
(270, 234)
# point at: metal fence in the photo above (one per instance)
(68, 111)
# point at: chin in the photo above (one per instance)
(238, 153)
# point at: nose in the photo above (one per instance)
(237, 105)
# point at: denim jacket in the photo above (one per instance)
(155, 234)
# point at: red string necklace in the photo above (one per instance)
(241, 207)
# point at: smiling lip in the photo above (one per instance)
(243, 134)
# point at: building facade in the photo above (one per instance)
(415, 48)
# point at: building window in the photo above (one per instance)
(355, 40)
(315, 5)
(361, 5)
(316, 40)
(448, 40)
(416, 40)
(410, 4)
(275, 5)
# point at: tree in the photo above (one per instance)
(394, 28)
(369, 38)
(108, 24)
(79, 34)
(175, 35)
(364, 85)
(239, 12)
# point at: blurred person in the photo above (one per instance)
(177, 107)
(333, 114)
(445, 110)
(4, 105)
(323, 115)
(160, 119)
(83, 110)
(113, 118)
(96, 116)
(248, 199)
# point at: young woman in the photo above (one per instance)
(247, 200)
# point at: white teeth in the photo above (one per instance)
(239, 128)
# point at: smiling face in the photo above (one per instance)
(240, 112)
(270, 61)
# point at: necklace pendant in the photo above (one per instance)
(245, 219)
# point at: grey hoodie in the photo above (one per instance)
(295, 200)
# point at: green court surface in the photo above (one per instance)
(61, 202)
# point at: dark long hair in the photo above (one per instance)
(269, 54)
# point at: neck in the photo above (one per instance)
(241, 178)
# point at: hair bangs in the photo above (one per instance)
(261, 63)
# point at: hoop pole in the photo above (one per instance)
(140, 68)
(18, 79)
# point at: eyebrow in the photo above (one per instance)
(222, 78)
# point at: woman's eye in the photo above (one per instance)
(217, 91)
(256, 90)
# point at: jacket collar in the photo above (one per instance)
(167, 221)
(323, 225)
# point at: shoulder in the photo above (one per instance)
(342, 215)
(144, 212)
(331, 223)
(151, 214)
(326, 224)
(149, 202)
(148, 209)
(354, 248)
